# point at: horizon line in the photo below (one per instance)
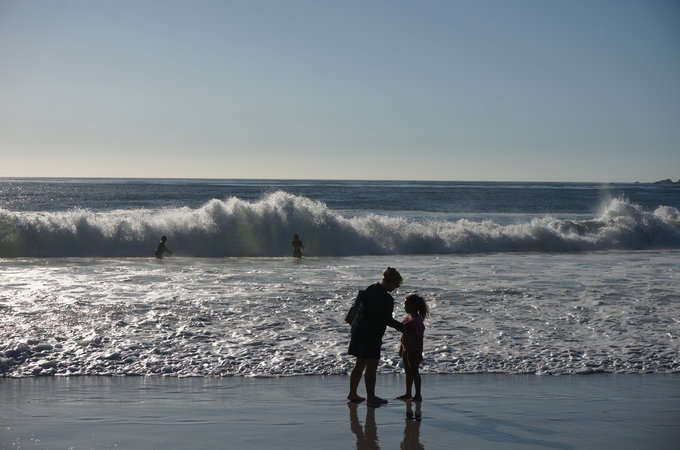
(65, 177)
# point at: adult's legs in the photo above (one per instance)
(355, 378)
(369, 380)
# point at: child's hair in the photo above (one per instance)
(420, 304)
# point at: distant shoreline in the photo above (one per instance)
(105, 179)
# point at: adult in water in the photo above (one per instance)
(162, 248)
(297, 246)
(374, 308)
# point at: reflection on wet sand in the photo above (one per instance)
(412, 427)
(367, 434)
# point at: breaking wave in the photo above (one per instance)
(234, 227)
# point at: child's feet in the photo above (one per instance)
(376, 402)
(418, 398)
(355, 398)
(405, 397)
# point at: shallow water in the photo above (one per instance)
(540, 313)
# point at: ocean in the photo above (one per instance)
(538, 278)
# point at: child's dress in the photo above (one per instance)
(412, 337)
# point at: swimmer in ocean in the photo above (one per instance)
(162, 248)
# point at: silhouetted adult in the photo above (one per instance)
(374, 311)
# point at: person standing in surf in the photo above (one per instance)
(162, 248)
(297, 246)
(374, 308)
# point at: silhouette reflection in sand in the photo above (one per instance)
(367, 434)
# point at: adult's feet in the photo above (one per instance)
(355, 398)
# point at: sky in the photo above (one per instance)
(478, 90)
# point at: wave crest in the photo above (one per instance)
(234, 227)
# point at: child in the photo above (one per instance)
(411, 349)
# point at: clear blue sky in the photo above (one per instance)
(531, 90)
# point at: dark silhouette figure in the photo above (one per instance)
(162, 248)
(411, 348)
(374, 308)
(297, 246)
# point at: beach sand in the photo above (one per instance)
(310, 412)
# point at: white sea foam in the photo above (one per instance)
(235, 227)
(543, 313)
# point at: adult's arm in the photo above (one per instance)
(389, 320)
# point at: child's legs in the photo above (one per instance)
(414, 366)
(407, 371)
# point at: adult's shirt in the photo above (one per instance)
(374, 314)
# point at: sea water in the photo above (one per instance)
(545, 278)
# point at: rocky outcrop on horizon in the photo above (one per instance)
(667, 181)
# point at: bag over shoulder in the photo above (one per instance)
(352, 313)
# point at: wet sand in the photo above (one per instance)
(308, 412)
